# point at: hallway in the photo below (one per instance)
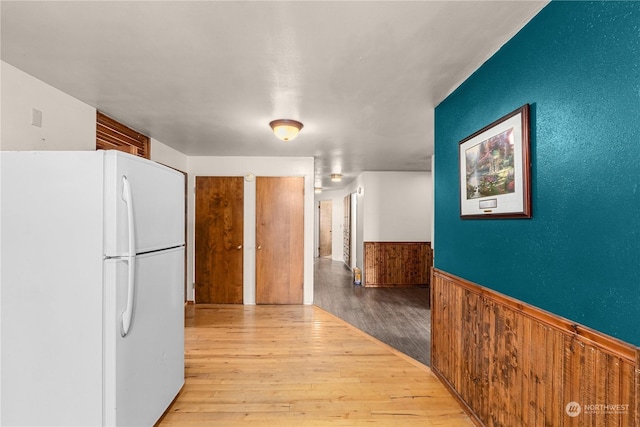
(399, 317)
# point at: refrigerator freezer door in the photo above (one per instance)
(157, 198)
(144, 370)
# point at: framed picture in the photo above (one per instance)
(495, 173)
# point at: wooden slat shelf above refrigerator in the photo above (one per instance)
(113, 135)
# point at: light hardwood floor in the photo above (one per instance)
(299, 366)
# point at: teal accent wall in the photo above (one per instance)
(578, 65)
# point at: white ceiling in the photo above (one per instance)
(206, 77)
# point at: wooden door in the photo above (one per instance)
(218, 240)
(279, 240)
(325, 228)
(346, 230)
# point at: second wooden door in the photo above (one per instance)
(218, 240)
(326, 207)
(279, 240)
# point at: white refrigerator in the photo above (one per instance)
(91, 288)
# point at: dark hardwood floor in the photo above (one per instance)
(399, 317)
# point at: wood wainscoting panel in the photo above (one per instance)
(397, 263)
(512, 364)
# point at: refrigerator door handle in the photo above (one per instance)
(128, 199)
(127, 315)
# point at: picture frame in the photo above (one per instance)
(495, 170)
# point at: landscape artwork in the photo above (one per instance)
(490, 166)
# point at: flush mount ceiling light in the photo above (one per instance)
(286, 129)
(336, 177)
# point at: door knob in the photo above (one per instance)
(239, 247)
(259, 247)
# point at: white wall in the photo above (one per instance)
(259, 166)
(67, 123)
(357, 187)
(398, 206)
(166, 155)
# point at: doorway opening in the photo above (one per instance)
(326, 232)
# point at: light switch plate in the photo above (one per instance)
(36, 117)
